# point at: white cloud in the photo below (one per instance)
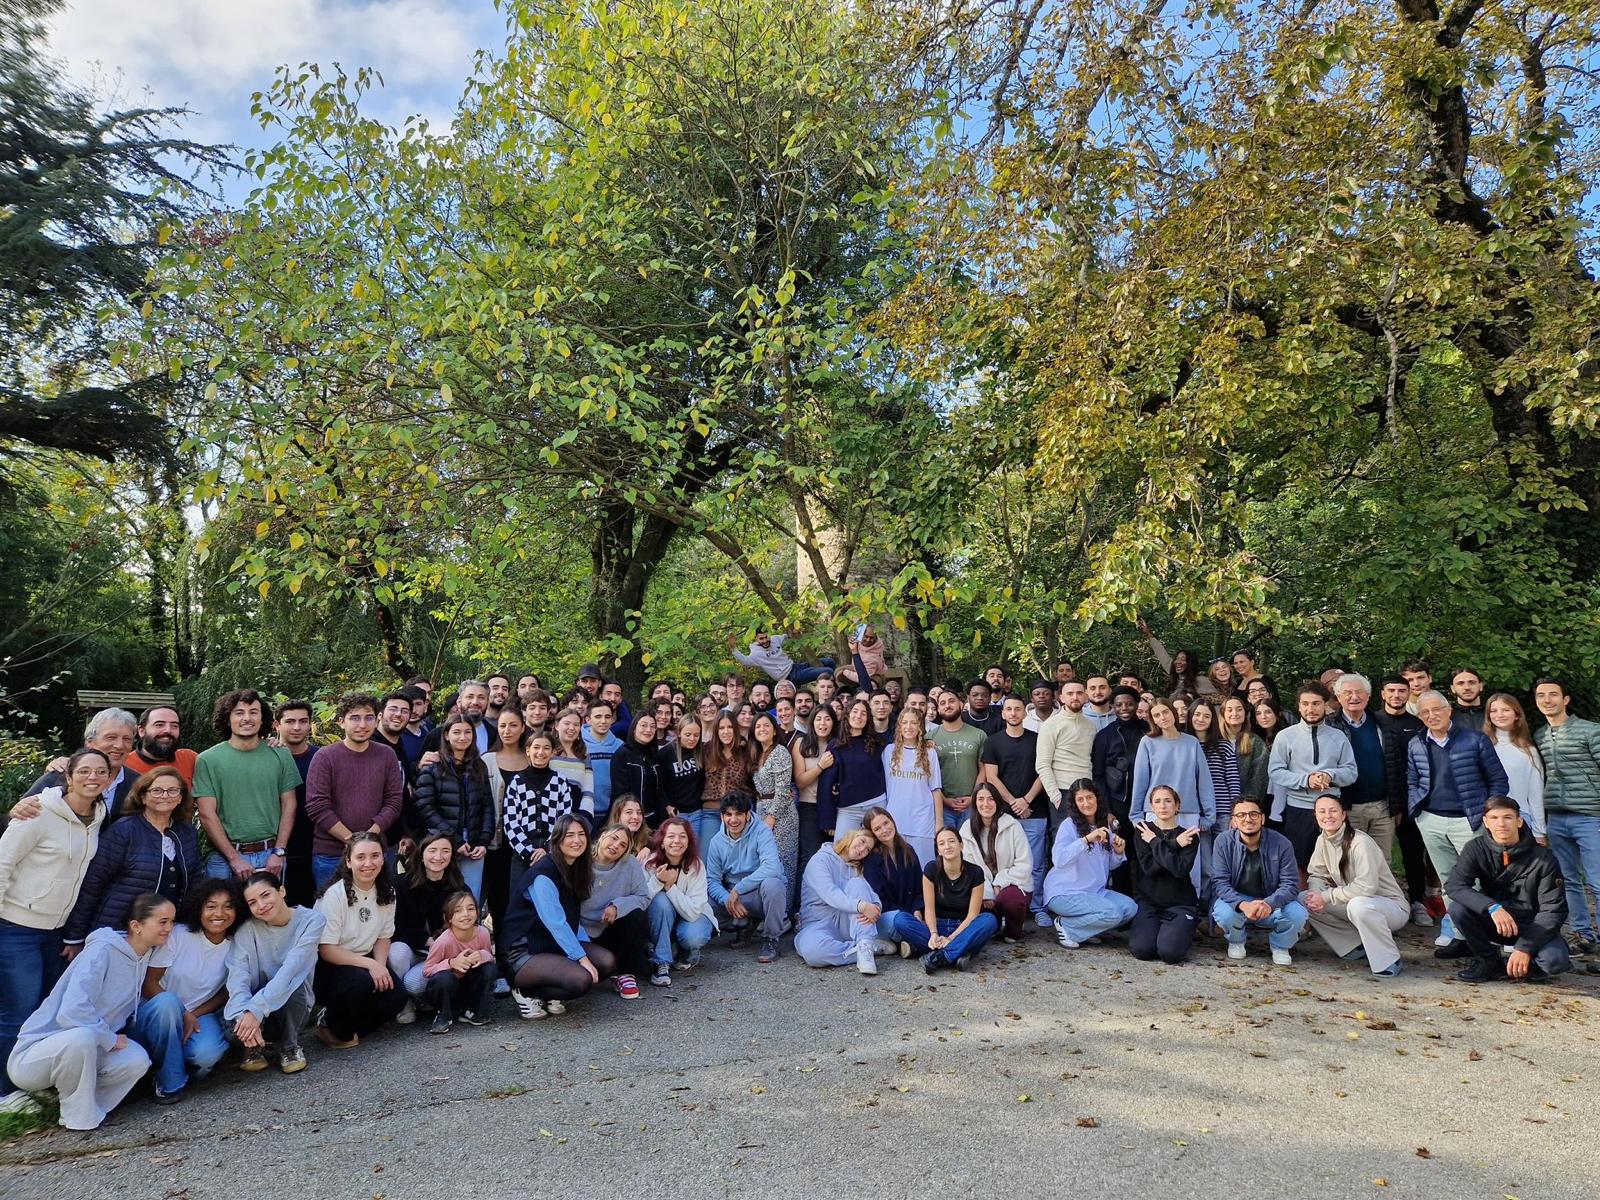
(210, 55)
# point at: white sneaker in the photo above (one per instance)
(19, 1101)
(528, 1008)
(1236, 950)
(407, 1015)
(554, 1007)
(866, 963)
(884, 946)
(1444, 939)
(1419, 915)
(1061, 935)
(1282, 958)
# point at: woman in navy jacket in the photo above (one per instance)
(154, 851)
(893, 872)
(855, 782)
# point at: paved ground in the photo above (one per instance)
(1042, 1073)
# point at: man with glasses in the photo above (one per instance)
(1256, 882)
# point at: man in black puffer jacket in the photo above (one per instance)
(1507, 890)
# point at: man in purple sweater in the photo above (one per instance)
(352, 787)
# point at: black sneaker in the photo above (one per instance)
(169, 1097)
(471, 1018)
(933, 961)
(1482, 970)
(1456, 949)
(739, 935)
(769, 951)
(961, 963)
(441, 1024)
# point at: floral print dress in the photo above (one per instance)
(774, 783)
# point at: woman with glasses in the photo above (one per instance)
(155, 850)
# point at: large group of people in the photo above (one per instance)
(161, 909)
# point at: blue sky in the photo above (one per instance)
(210, 55)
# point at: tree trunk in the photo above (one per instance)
(626, 550)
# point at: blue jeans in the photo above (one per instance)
(1083, 915)
(217, 867)
(322, 868)
(1037, 831)
(969, 941)
(1283, 926)
(30, 964)
(667, 927)
(472, 876)
(158, 1027)
(1576, 841)
(802, 673)
(705, 823)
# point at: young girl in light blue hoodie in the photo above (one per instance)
(74, 1042)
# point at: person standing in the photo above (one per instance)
(42, 864)
(1394, 718)
(1065, 750)
(1171, 758)
(1377, 798)
(1469, 710)
(1570, 747)
(958, 742)
(856, 781)
(113, 732)
(1450, 772)
(160, 729)
(292, 724)
(602, 745)
(245, 790)
(351, 789)
(914, 790)
(1308, 760)
(454, 797)
(1506, 726)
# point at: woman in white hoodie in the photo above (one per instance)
(994, 841)
(681, 917)
(42, 865)
(74, 1042)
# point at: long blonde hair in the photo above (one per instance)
(1519, 734)
(921, 742)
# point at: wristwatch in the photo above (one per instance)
(278, 852)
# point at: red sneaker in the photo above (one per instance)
(627, 987)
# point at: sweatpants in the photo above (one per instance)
(1365, 921)
(90, 1081)
(1164, 933)
(833, 942)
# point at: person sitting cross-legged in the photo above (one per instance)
(1256, 882)
(744, 875)
(1507, 890)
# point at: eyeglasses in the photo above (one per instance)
(165, 793)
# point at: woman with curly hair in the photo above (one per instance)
(913, 792)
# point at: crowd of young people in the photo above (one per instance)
(544, 845)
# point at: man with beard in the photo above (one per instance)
(1009, 761)
(1112, 761)
(245, 791)
(293, 728)
(804, 705)
(1097, 708)
(1066, 742)
(159, 732)
(499, 685)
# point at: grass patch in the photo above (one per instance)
(515, 1089)
(16, 1124)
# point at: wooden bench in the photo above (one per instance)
(134, 702)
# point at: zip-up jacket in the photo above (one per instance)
(129, 862)
(1523, 879)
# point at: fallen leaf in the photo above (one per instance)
(1382, 1026)
(758, 1090)
(1380, 1183)
(1424, 1152)
(1474, 1056)
(1176, 1142)
(1024, 1098)
(1088, 1123)
(1352, 1035)
(545, 1133)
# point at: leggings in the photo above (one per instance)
(1164, 933)
(557, 977)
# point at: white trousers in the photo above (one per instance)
(89, 1080)
(1365, 921)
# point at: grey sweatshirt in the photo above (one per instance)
(267, 964)
(621, 884)
(99, 990)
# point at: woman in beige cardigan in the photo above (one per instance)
(1352, 896)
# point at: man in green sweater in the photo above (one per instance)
(1570, 748)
